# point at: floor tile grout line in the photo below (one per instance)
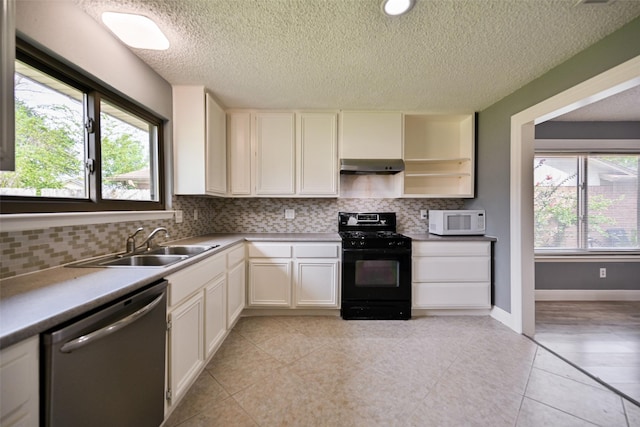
(562, 410)
(245, 411)
(590, 375)
(524, 391)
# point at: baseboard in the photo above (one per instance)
(502, 316)
(587, 295)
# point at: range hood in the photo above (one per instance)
(371, 166)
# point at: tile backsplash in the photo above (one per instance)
(33, 250)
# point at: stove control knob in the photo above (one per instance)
(361, 242)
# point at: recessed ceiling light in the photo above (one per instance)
(136, 30)
(397, 7)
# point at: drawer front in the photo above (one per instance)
(452, 269)
(451, 248)
(452, 295)
(187, 281)
(235, 255)
(316, 251)
(269, 250)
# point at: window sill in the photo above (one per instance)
(617, 256)
(23, 222)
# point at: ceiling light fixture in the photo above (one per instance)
(136, 30)
(397, 7)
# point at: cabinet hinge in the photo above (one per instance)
(169, 394)
(169, 325)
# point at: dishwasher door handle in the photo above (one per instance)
(91, 337)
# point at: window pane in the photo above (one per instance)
(128, 155)
(612, 212)
(556, 202)
(50, 143)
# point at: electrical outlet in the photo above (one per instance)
(178, 216)
(195, 214)
(423, 214)
(289, 213)
(603, 273)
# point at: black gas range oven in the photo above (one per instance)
(376, 267)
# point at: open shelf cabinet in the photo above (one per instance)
(439, 155)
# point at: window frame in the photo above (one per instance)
(582, 190)
(94, 91)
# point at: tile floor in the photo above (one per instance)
(601, 337)
(429, 371)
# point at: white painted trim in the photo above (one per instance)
(587, 295)
(591, 145)
(502, 316)
(23, 222)
(613, 81)
(632, 257)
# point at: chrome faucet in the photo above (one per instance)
(131, 241)
(148, 240)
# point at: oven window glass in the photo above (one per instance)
(380, 273)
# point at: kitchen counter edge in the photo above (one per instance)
(33, 303)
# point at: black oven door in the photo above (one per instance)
(376, 275)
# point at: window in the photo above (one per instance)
(79, 146)
(586, 202)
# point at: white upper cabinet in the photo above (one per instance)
(216, 148)
(199, 143)
(317, 148)
(439, 155)
(371, 135)
(240, 153)
(275, 153)
(282, 154)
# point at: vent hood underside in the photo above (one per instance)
(371, 166)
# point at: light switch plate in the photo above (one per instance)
(289, 213)
(178, 216)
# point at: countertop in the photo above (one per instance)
(426, 237)
(33, 303)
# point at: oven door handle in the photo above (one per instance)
(89, 338)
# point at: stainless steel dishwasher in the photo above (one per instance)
(107, 369)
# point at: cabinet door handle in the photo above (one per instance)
(91, 337)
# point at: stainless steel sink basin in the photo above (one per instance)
(145, 260)
(159, 257)
(189, 250)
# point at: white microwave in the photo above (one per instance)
(456, 222)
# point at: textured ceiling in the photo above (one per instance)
(443, 56)
(624, 106)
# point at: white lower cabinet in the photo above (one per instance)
(186, 342)
(291, 275)
(198, 316)
(215, 314)
(236, 284)
(451, 275)
(19, 386)
(270, 282)
(316, 281)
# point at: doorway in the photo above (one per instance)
(523, 305)
(611, 82)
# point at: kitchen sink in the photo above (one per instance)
(161, 256)
(145, 260)
(189, 250)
